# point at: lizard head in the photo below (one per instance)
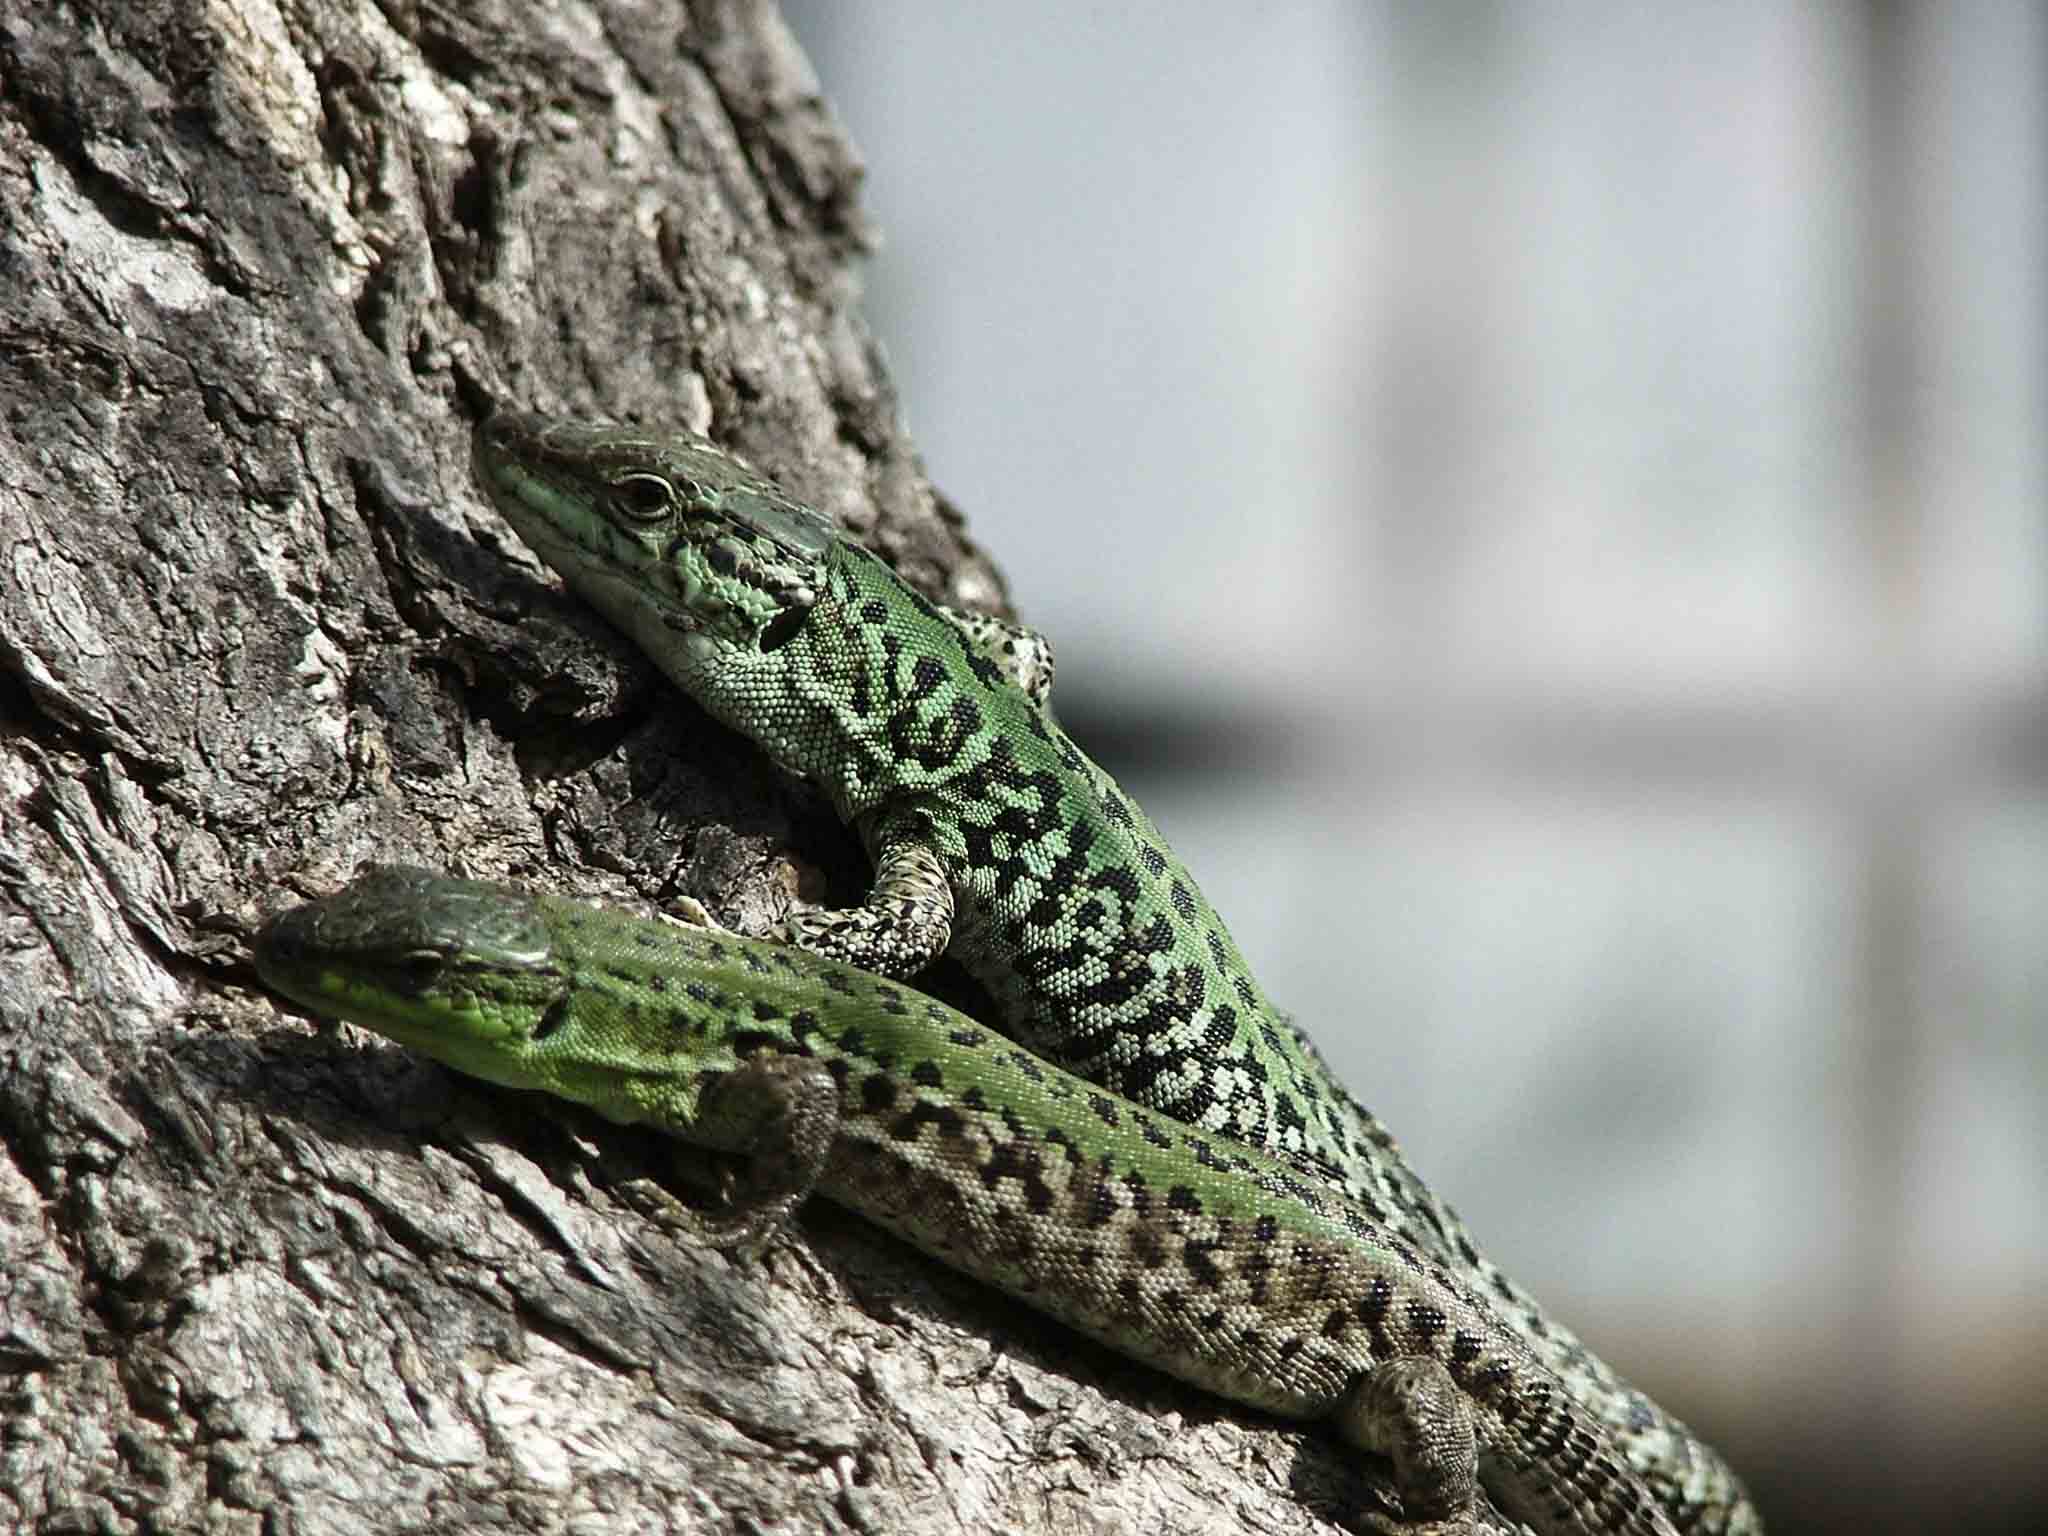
(519, 989)
(454, 968)
(697, 557)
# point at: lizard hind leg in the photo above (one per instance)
(1547, 1470)
(1411, 1411)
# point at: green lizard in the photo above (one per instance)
(994, 837)
(1229, 1269)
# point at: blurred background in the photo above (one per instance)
(1547, 506)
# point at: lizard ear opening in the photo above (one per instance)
(554, 1018)
(783, 627)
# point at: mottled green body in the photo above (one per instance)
(995, 838)
(1231, 1270)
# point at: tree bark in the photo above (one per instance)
(261, 268)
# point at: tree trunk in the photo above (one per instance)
(261, 268)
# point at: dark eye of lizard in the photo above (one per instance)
(417, 971)
(643, 497)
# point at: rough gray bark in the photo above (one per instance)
(260, 269)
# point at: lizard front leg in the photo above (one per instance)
(782, 1112)
(906, 921)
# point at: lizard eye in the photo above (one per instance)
(418, 971)
(643, 497)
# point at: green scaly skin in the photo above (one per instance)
(994, 837)
(1231, 1270)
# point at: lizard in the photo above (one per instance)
(1183, 1249)
(994, 837)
